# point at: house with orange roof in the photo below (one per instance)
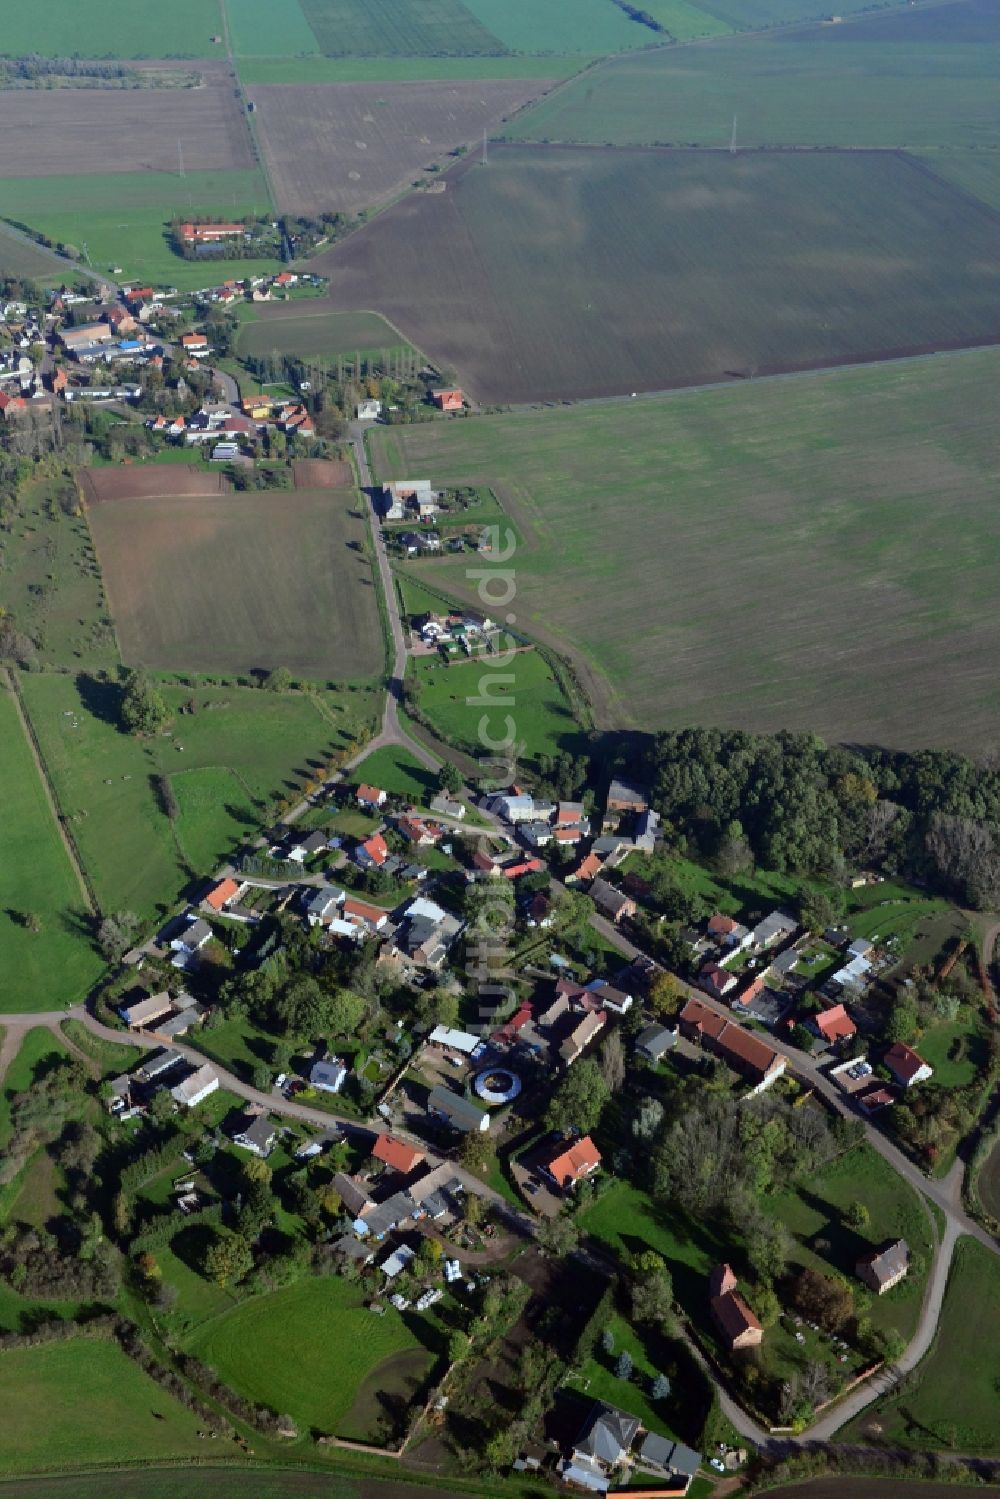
(572, 1164)
(834, 1025)
(588, 869)
(397, 1155)
(370, 796)
(373, 853)
(223, 894)
(362, 913)
(906, 1065)
(448, 400)
(736, 1323)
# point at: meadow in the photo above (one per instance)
(595, 26)
(269, 28)
(395, 770)
(57, 963)
(319, 335)
(305, 1349)
(781, 554)
(736, 266)
(802, 93)
(122, 218)
(112, 28)
(384, 28)
(242, 581)
(406, 69)
(18, 258)
(950, 1401)
(525, 688)
(124, 1412)
(247, 746)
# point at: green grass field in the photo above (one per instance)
(56, 964)
(20, 259)
(805, 94)
(269, 28)
(242, 581)
(304, 1350)
(975, 172)
(594, 26)
(319, 335)
(406, 69)
(814, 1215)
(113, 28)
(37, 1046)
(397, 771)
(766, 556)
(384, 28)
(123, 218)
(951, 1399)
(264, 743)
(597, 1379)
(124, 1412)
(52, 581)
(525, 689)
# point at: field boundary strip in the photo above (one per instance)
(8, 678)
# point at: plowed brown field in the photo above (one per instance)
(102, 485)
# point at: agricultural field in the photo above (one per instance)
(950, 1400)
(802, 93)
(269, 28)
(969, 21)
(61, 132)
(407, 69)
(595, 26)
(242, 581)
(51, 580)
(205, 1482)
(55, 964)
(384, 28)
(321, 335)
(975, 172)
(124, 1413)
(752, 15)
(781, 554)
(336, 1342)
(742, 265)
(346, 146)
(112, 28)
(19, 258)
(123, 218)
(525, 689)
(250, 745)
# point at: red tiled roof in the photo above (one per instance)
(721, 926)
(731, 1041)
(367, 793)
(362, 909)
(567, 835)
(721, 1281)
(224, 891)
(570, 1165)
(903, 1062)
(376, 848)
(733, 1315)
(588, 867)
(397, 1154)
(835, 1024)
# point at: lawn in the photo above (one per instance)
(242, 581)
(814, 1216)
(112, 28)
(124, 1413)
(305, 1349)
(778, 555)
(471, 699)
(109, 1055)
(805, 93)
(57, 963)
(951, 1399)
(266, 743)
(321, 336)
(628, 1221)
(395, 770)
(957, 1051)
(598, 1381)
(122, 218)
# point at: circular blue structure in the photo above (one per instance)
(497, 1085)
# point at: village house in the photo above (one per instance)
(446, 806)
(426, 933)
(369, 411)
(307, 848)
(716, 980)
(736, 1323)
(588, 869)
(752, 1058)
(209, 234)
(672, 1459)
(571, 1164)
(448, 400)
(256, 1133)
(197, 1086)
(623, 796)
(611, 902)
(460, 1112)
(906, 1066)
(581, 1036)
(328, 1074)
(604, 1444)
(884, 1268)
(223, 895)
(370, 797)
(321, 906)
(653, 1043)
(834, 1025)
(138, 1014)
(372, 853)
(409, 499)
(364, 916)
(397, 1155)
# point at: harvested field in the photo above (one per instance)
(112, 28)
(322, 473)
(975, 21)
(241, 581)
(342, 146)
(51, 132)
(775, 555)
(102, 486)
(736, 266)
